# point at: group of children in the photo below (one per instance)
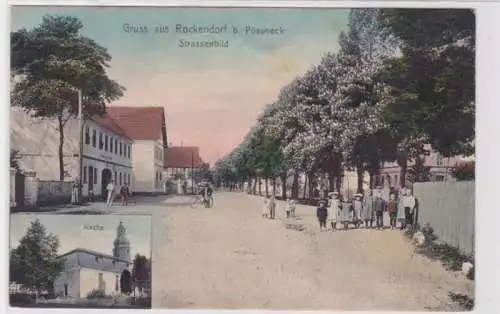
(269, 207)
(366, 210)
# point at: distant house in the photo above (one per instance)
(146, 127)
(440, 168)
(181, 159)
(85, 270)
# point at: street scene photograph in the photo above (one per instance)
(80, 261)
(289, 158)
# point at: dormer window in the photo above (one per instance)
(98, 259)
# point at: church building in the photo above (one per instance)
(86, 271)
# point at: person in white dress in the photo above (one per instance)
(265, 207)
(111, 193)
(333, 209)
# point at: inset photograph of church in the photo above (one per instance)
(96, 261)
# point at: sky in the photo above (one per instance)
(211, 96)
(72, 232)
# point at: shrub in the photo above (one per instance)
(465, 171)
(97, 294)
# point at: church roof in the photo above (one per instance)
(107, 262)
(94, 253)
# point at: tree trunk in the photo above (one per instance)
(360, 172)
(267, 186)
(274, 186)
(305, 188)
(402, 172)
(295, 185)
(283, 186)
(331, 181)
(371, 179)
(338, 175)
(260, 186)
(311, 185)
(254, 186)
(61, 145)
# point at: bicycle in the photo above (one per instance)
(198, 199)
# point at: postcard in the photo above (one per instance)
(290, 158)
(80, 261)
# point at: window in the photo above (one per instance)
(115, 177)
(85, 175)
(87, 135)
(101, 142)
(128, 151)
(94, 137)
(106, 143)
(116, 146)
(128, 178)
(120, 178)
(95, 175)
(121, 148)
(439, 178)
(111, 145)
(395, 179)
(439, 160)
(117, 281)
(98, 260)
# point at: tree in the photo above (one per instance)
(433, 82)
(141, 272)
(50, 62)
(419, 172)
(14, 158)
(34, 263)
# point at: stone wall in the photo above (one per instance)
(53, 192)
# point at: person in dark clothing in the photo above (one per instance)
(124, 193)
(392, 208)
(322, 214)
(380, 206)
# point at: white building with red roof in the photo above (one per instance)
(146, 127)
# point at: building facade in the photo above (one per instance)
(86, 271)
(145, 126)
(107, 156)
(440, 169)
(179, 160)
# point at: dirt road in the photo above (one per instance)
(230, 257)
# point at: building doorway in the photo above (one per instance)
(65, 290)
(105, 179)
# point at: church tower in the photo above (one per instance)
(121, 245)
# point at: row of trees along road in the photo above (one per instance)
(50, 63)
(34, 263)
(401, 78)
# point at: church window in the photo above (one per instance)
(117, 283)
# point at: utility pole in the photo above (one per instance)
(192, 172)
(80, 130)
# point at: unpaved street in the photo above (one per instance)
(230, 257)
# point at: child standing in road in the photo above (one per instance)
(379, 206)
(292, 207)
(392, 208)
(333, 209)
(357, 205)
(322, 213)
(265, 207)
